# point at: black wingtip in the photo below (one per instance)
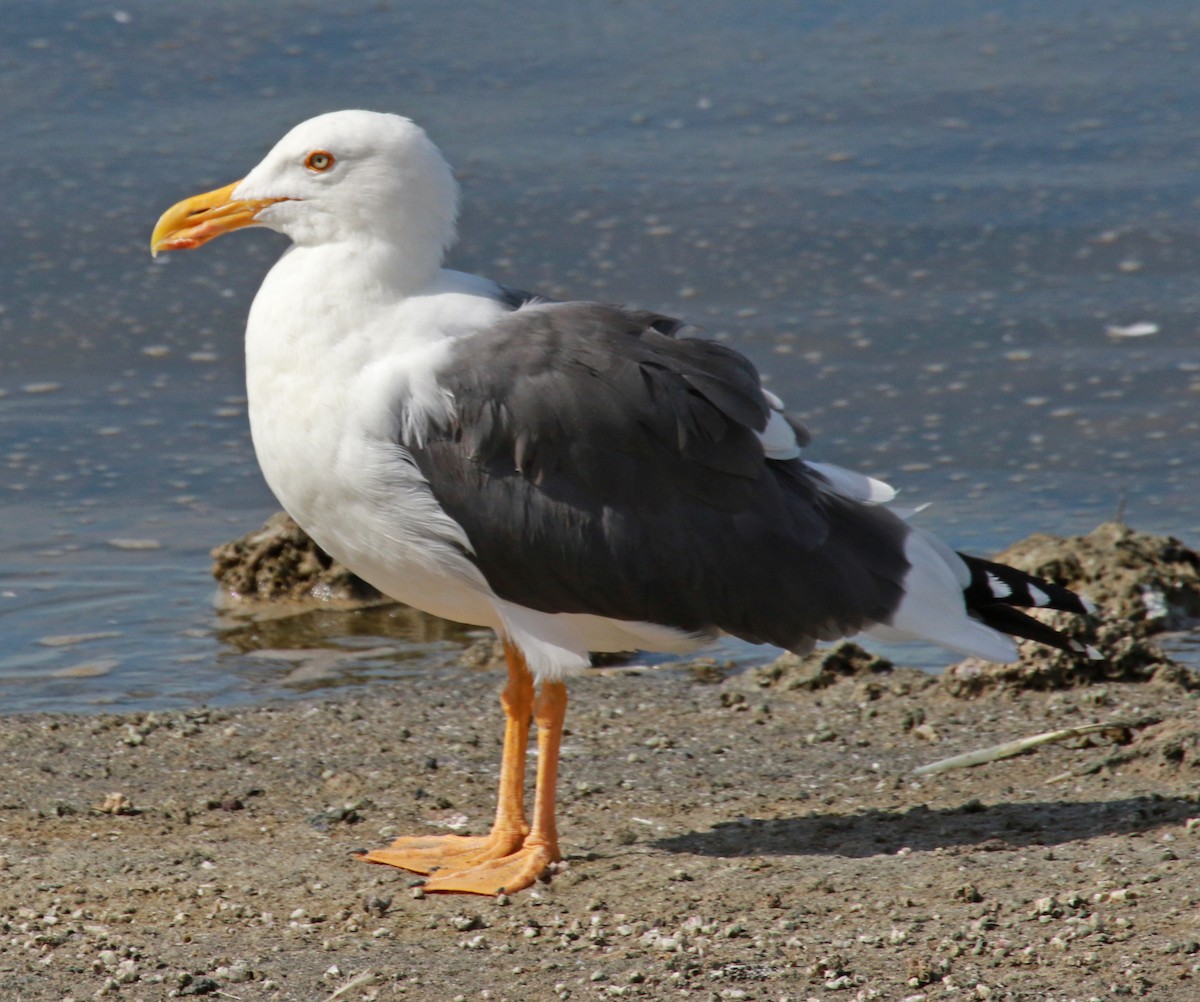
(997, 593)
(998, 584)
(1016, 623)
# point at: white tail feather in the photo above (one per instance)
(856, 486)
(778, 438)
(933, 609)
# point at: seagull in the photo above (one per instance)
(578, 476)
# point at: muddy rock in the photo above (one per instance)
(1141, 585)
(486, 652)
(280, 561)
(1147, 584)
(1128, 659)
(1170, 748)
(820, 668)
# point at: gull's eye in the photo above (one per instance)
(319, 161)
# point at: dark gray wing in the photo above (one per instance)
(599, 464)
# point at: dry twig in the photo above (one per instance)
(1010, 748)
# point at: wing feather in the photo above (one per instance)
(599, 463)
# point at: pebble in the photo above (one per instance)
(234, 973)
(116, 803)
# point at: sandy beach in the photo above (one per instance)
(760, 836)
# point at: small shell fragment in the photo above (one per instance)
(1141, 329)
(116, 803)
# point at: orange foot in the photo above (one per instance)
(426, 853)
(469, 865)
(506, 875)
(515, 854)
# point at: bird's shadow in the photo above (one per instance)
(877, 832)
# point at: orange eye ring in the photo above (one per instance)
(319, 161)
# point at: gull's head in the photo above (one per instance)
(346, 175)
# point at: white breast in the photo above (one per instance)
(336, 382)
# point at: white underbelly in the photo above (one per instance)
(395, 573)
(364, 502)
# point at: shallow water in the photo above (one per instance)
(937, 228)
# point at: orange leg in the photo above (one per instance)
(520, 868)
(514, 855)
(426, 853)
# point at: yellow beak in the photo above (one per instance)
(198, 219)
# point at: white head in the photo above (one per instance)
(351, 173)
(358, 175)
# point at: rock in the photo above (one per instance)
(1151, 584)
(116, 803)
(820, 668)
(485, 653)
(280, 561)
(1141, 585)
